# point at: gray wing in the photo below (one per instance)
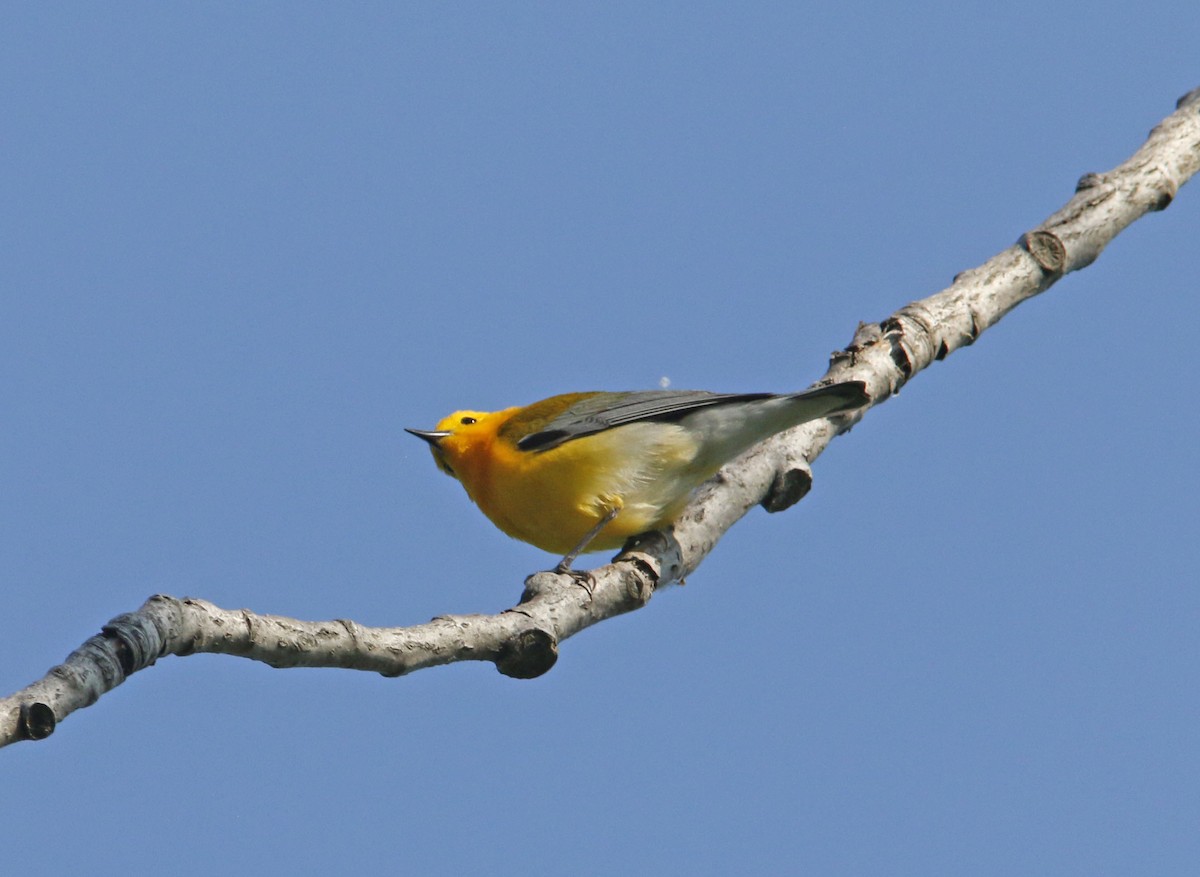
(607, 410)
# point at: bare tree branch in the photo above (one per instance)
(523, 641)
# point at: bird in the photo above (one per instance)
(582, 472)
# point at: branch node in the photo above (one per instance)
(894, 332)
(1166, 194)
(787, 489)
(138, 641)
(37, 721)
(1089, 181)
(657, 553)
(1047, 250)
(642, 579)
(528, 654)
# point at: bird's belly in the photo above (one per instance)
(553, 498)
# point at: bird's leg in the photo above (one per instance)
(564, 565)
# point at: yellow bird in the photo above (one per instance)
(585, 471)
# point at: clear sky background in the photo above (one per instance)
(244, 245)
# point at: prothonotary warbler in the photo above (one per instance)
(585, 471)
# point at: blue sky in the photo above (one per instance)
(244, 245)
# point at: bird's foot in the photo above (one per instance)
(581, 577)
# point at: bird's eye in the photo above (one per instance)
(467, 421)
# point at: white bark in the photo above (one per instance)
(523, 641)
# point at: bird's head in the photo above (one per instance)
(455, 436)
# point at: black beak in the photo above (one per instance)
(433, 436)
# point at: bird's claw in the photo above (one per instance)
(581, 577)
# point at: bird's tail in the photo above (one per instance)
(823, 401)
(729, 429)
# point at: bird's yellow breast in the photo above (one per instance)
(552, 498)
